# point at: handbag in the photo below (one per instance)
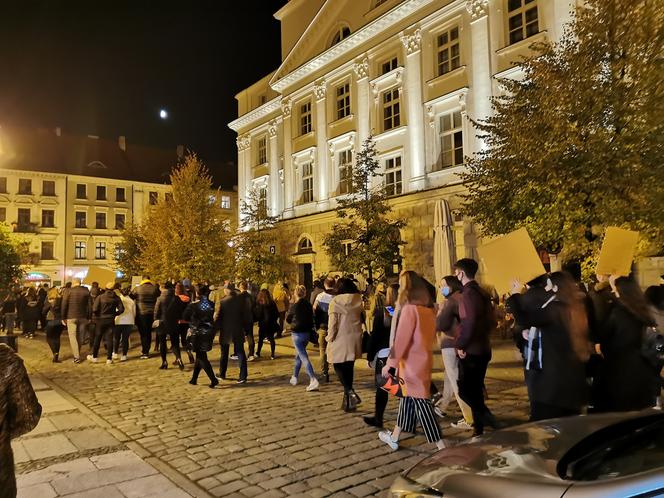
(392, 384)
(200, 338)
(652, 347)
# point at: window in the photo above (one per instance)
(100, 250)
(307, 183)
(81, 191)
(47, 250)
(100, 220)
(522, 19)
(388, 66)
(23, 218)
(81, 219)
(101, 193)
(79, 250)
(120, 195)
(451, 140)
(305, 118)
(48, 187)
(345, 171)
(3, 184)
(24, 186)
(154, 197)
(393, 176)
(225, 202)
(48, 218)
(262, 150)
(305, 246)
(391, 109)
(347, 248)
(343, 101)
(342, 33)
(119, 221)
(449, 55)
(262, 200)
(3, 214)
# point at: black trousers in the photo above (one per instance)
(265, 333)
(203, 363)
(242, 358)
(472, 370)
(104, 331)
(53, 332)
(381, 394)
(121, 338)
(144, 323)
(345, 373)
(251, 344)
(174, 336)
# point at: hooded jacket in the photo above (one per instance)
(107, 306)
(344, 330)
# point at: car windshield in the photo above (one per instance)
(623, 449)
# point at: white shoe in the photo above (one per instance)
(114, 356)
(313, 384)
(123, 357)
(386, 437)
(92, 359)
(109, 362)
(293, 381)
(234, 357)
(251, 358)
(461, 424)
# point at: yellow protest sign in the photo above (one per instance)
(511, 257)
(617, 252)
(100, 275)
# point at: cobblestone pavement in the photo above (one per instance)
(265, 438)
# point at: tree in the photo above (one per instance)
(577, 144)
(11, 255)
(130, 250)
(257, 242)
(365, 239)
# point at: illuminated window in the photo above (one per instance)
(305, 118)
(307, 183)
(48, 218)
(522, 19)
(451, 140)
(347, 248)
(48, 187)
(225, 202)
(23, 218)
(47, 250)
(393, 184)
(388, 66)
(449, 55)
(100, 250)
(119, 221)
(81, 219)
(79, 250)
(305, 246)
(341, 34)
(391, 109)
(262, 150)
(343, 101)
(262, 200)
(345, 171)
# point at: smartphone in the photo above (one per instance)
(390, 310)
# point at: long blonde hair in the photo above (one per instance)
(413, 289)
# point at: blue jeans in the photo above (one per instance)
(300, 341)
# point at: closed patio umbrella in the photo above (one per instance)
(443, 241)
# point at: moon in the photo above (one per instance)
(163, 114)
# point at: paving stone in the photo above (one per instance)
(42, 490)
(90, 480)
(48, 446)
(228, 488)
(87, 439)
(53, 402)
(156, 485)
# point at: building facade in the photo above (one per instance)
(411, 73)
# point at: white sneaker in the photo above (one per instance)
(293, 381)
(109, 362)
(234, 357)
(461, 424)
(92, 359)
(123, 357)
(251, 358)
(313, 384)
(114, 356)
(386, 437)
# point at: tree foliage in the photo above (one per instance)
(130, 249)
(365, 222)
(12, 252)
(577, 144)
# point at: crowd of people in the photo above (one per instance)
(583, 349)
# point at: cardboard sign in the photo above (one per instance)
(617, 252)
(511, 257)
(136, 281)
(99, 275)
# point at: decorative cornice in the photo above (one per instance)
(243, 142)
(255, 114)
(319, 89)
(412, 42)
(361, 68)
(477, 9)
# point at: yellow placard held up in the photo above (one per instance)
(511, 257)
(617, 252)
(100, 275)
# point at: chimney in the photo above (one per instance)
(122, 143)
(180, 151)
(58, 131)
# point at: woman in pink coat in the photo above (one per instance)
(411, 358)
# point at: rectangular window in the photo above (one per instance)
(262, 200)
(225, 202)
(262, 150)
(345, 171)
(307, 183)
(101, 193)
(120, 195)
(81, 191)
(81, 219)
(305, 118)
(119, 221)
(3, 214)
(343, 101)
(100, 250)
(522, 19)
(451, 140)
(388, 66)
(23, 219)
(154, 197)
(391, 109)
(449, 55)
(393, 176)
(100, 220)
(25, 186)
(48, 187)
(79, 250)
(3, 184)
(48, 218)
(47, 250)
(347, 248)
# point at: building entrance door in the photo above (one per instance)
(305, 276)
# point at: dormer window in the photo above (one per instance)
(342, 33)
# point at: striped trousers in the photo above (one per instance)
(414, 410)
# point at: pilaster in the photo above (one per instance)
(274, 183)
(321, 173)
(286, 105)
(480, 51)
(361, 69)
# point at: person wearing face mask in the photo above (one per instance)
(447, 329)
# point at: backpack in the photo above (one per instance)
(652, 347)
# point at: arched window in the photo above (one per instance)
(305, 246)
(342, 33)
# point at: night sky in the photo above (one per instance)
(107, 67)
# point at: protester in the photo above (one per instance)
(378, 347)
(318, 288)
(447, 327)
(281, 296)
(300, 317)
(411, 359)
(268, 324)
(19, 413)
(321, 314)
(249, 330)
(200, 315)
(167, 311)
(42, 294)
(124, 324)
(9, 313)
(183, 325)
(344, 337)
(145, 296)
(76, 314)
(52, 310)
(233, 316)
(106, 307)
(32, 312)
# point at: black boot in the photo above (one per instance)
(355, 397)
(191, 357)
(373, 422)
(179, 363)
(164, 365)
(55, 358)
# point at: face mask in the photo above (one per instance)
(445, 291)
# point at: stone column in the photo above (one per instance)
(243, 180)
(321, 172)
(288, 159)
(274, 183)
(362, 120)
(480, 68)
(412, 88)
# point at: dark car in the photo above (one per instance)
(613, 455)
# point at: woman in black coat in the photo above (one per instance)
(628, 381)
(268, 321)
(53, 322)
(200, 315)
(31, 313)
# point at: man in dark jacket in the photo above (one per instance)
(76, 312)
(233, 316)
(106, 307)
(145, 296)
(41, 299)
(249, 330)
(476, 321)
